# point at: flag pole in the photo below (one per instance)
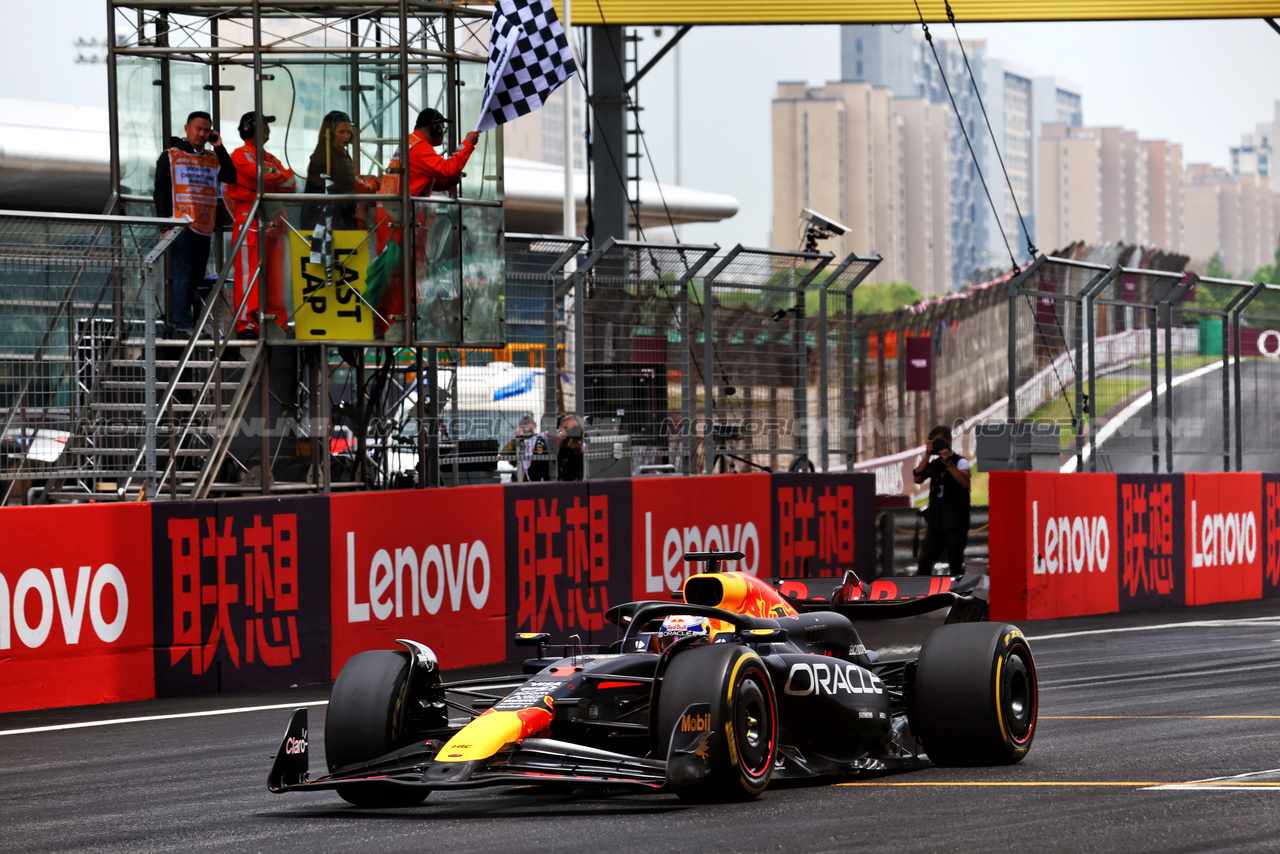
(570, 201)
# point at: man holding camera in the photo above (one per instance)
(947, 516)
(569, 451)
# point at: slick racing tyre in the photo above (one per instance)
(743, 731)
(975, 698)
(363, 722)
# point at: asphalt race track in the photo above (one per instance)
(1158, 732)
(1198, 419)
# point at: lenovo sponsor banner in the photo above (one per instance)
(75, 606)
(568, 553)
(1223, 514)
(672, 516)
(1057, 552)
(1184, 539)
(1152, 557)
(427, 565)
(822, 524)
(242, 594)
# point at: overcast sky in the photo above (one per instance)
(1199, 83)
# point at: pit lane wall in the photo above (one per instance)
(109, 603)
(1073, 544)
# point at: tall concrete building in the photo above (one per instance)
(1164, 192)
(1201, 213)
(1105, 184)
(1070, 181)
(1017, 103)
(1255, 155)
(1009, 108)
(854, 152)
(1236, 216)
(928, 191)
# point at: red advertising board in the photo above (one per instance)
(1224, 534)
(1257, 342)
(241, 598)
(672, 516)
(1152, 558)
(823, 524)
(426, 565)
(1054, 545)
(568, 548)
(919, 363)
(1270, 532)
(75, 606)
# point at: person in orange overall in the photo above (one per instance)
(428, 173)
(239, 196)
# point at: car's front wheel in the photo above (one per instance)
(742, 733)
(365, 720)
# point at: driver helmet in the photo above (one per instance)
(676, 626)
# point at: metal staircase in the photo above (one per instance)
(119, 452)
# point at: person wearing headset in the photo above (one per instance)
(428, 173)
(187, 178)
(239, 197)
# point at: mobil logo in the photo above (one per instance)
(400, 581)
(38, 596)
(1223, 539)
(664, 565)
(1069, 544)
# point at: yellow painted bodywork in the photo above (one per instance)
(493, 731)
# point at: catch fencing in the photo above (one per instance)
(77, 295)
(681, 359)
(1143, 367)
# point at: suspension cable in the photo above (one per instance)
(1031, 247)
(960, 120)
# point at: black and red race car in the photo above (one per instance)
(740, 682)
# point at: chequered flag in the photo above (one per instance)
(529, 57)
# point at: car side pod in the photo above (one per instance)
(292, 765)
(688, 756)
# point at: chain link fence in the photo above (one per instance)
(1142, 367)
(77, 366)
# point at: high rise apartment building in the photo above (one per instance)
(1070, 182)
(1017, 103)
(855, 153)
(1201, 211)
(1164, 194)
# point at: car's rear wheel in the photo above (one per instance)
(364, 721)
(743, 732)
(975, 697)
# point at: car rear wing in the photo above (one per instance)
(886, 598)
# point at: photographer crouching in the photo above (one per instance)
(947, 516)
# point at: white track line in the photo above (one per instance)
(1266, 622)
(1234, 783)
(204, 714)
(1111, 427)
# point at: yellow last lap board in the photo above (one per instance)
(332, 307)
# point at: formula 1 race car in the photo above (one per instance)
(741, 681)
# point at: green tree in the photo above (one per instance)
(1216, 270)
(868, 299)
(1269, 273)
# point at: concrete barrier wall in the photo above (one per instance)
(108, 603)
